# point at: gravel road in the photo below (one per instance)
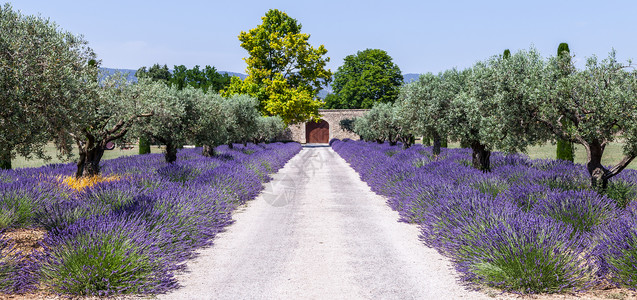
(318, 232)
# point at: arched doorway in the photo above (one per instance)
(317, 132)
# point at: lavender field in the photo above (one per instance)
(529, 226)
(130, 231)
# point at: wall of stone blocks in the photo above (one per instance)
(333, 117)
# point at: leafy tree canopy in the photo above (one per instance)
(365, 79)
(284, 71)
(600, 104)
(278, 46)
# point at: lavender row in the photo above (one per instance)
(131, 234)
(528, 226)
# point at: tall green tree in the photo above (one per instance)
(506, 54)
(284, 71)
(44, 72)
(565, 149)
(364, 79)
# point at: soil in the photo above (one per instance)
(26, 240)
(600, 292)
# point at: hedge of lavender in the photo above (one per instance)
(529, 226)
(131, 234)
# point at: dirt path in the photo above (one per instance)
(318, 232)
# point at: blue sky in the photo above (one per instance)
(421, 36)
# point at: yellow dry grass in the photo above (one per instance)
(81, 183)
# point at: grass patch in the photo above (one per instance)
(612, 154)
(21, 162)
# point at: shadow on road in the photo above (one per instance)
(316, 145)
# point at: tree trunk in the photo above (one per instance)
(230, 146)
(5, 160)
(88, 164)
(436, 138)
(407, 141)
(481, 157)
(379, 141)
(599, 174)
(171, 152)
(208, 151)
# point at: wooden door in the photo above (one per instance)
(317, 132)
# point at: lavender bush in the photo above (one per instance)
(527, 226)
(131, 234)
(616, 251)
(105, 255)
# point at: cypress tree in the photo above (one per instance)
(144, 145)
(565, 149)
(506, 53)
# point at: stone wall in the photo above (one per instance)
(333, 117)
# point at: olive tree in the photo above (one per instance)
(600, 106)
(268, 128)
(385, 122)
(241, 115)
(106, 116)
(209, 125)
(426, 102)
(495, 110)
(43, 72)
(172, 122)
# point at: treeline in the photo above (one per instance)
(206, 79)
(512, 101)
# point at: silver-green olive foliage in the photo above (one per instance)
(209, 127)
(116, 107)
(173, 119)
(425, 103)
(44, 71)
(494, 110)
(241, 115)
(268, 128)
(601, 104)
(384, 122)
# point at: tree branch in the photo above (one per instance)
(619, 166)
